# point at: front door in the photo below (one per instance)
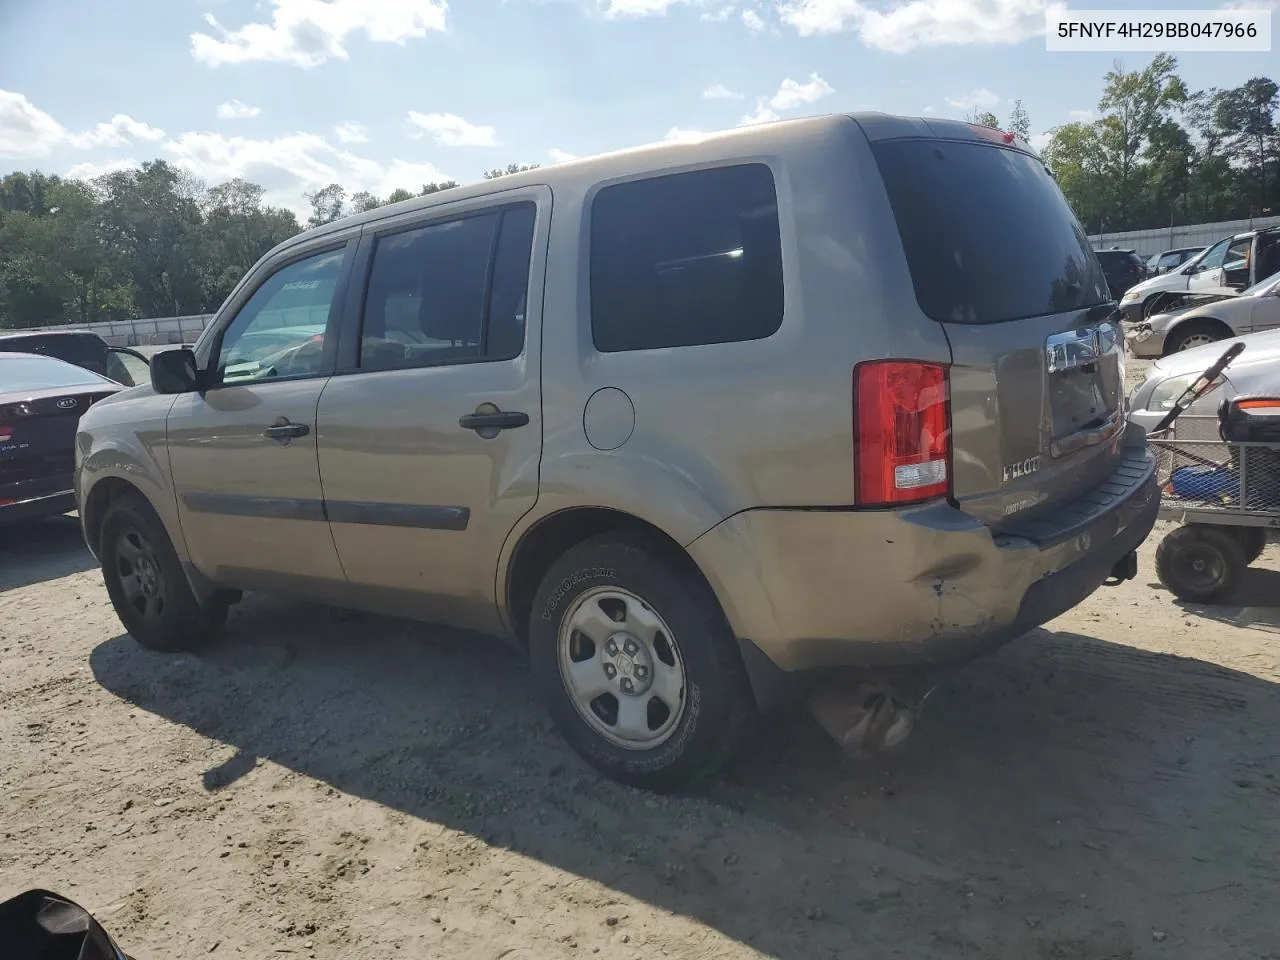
(430, 445)
(243, 450)
(1211, 272)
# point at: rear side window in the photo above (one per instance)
(987, 234)
(686, 259)
(453, 291)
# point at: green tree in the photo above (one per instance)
(364, 201)
(327, 205)
(509, 169)
(430, 188)
(1019, 121)
(398, 195)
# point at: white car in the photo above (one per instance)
(1227, 267)
(1207, 320)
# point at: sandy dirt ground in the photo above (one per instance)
(336, 786)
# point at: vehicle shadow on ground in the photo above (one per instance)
(42, 550)
(1067, 798)
(1255, 605)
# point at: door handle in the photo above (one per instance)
(493, 420)
(285, 432)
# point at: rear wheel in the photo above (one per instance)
(1201, 564)
(636, 663)
(1197, 333)
(146, 582)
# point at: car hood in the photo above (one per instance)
(1258, 348)
(1166, 281)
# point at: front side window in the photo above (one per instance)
(686, 259)
(279, 332)
(451, 292)
(1214, 258)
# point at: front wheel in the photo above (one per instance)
(146, 583)
(1194, 334)
(1201, 564)
(636, 664)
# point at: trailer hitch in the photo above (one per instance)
(1126, 568)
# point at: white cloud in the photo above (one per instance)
(451, 130)
(561, 156)
(764, 114)
(717, 16)
(680, 134)
(752, 21)
(903, 25)
(981, 97)
(351, 132)
(718, 91)
(1080, 116)
(91, 171)
(637, 8)
(930, 109)
(792, 93)
(306, 33)
(235, 110)
(27, 132)
(294, 164)
(1040, 140)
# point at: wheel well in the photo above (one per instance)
(95, 508)
(551, 537)
(1210, 323)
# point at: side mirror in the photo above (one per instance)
(175, 371)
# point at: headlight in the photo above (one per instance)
(1131, 296)
(1164, 395)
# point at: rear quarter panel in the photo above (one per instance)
(727, 427)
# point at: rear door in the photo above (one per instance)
(431, 433)
(998, 259)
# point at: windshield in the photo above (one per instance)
(1264, 287)
(42, 373)
(987, 234)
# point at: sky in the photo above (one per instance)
(380, 94)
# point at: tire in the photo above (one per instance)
(146, 582)
(1201, 564)
(669, 624)
(1253, 540)
(1196, 333)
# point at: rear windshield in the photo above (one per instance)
(85, 351)
(987, 234)
(39, 373)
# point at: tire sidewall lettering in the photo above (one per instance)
(575, 579)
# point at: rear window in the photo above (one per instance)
(987, 234)
(41, 373)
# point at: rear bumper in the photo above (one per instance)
(36, 508)
(821, 588)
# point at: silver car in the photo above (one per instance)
(1256, 370)
(691, 424)
(1207, 321)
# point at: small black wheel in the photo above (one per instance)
(1200, 563)
(1253, 540)
(146, 583)
(1195, 333)
(637, 664)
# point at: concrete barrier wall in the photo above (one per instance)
(1148, 242)
(141, 333)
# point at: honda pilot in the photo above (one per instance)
(691, 424)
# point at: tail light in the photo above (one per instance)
(6, 433)
(901, 432)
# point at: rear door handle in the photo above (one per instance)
(286, 431)
(491, 421)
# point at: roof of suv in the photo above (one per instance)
(744, 141)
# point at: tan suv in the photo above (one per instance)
(692, 424)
